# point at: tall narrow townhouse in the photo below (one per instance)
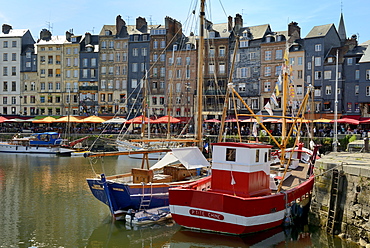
(89, 75)
(215, 66)
(106, 74)
(50, 87)
(71, 68)
(356, 89)
(246, 74)
(138, 67)
(29, 79)
(120, 67)
(162, 39)
(272, 57)
(321, 44)
(181, 82)
(296, 61)
(12, 45)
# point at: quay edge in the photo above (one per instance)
(341, 197)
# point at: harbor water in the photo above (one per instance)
(45, 202)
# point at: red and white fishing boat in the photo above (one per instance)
(237, 197)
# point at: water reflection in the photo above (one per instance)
(119, 234)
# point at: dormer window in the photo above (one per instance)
(212, 34)
(268, 39)
(188, 47)
(107, 32)
(175, 47)
(73, 39)
(279, 38)
(330, 60)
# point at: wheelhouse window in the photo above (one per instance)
(231, 154)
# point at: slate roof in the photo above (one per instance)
(14, 33)
(319, 31)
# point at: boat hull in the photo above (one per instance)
(4, 147)
(226, 213)
(126, 196)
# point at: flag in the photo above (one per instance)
(268, 108)
(206, 147)
(274, 99)
(277, 89)
(254, 130)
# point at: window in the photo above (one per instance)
(111, 57)
(300, 60)
(221, 52)
(267, 86)
(5, 86)
(14, 57)
(135, 52)
(5, 44)
(317, 61)
(178, 61)
(291, 61)
(14, 71)
(211, 68)
(357, 74)
(257, 155)
(14, 86)
(279, 54)
(300, 74)
(267, 55)
(299, 90)
(5, 71)
(267, 71)
(349, 61)
(178, 73)
(328, 90)
(42, 99)
(5, 100)
(317, 75)
(187, 60)
(154, 100)
(327, 74)
(367, 75)
(14, 100)
(241, 87)
(349, 106)
(367, 90)
(278, 70)
(155, 44)
(134, 67)
(133, 83)
(244, 43)
(231, 154)
(5, 57)
(163, 44)
(357, 89)
(309, 66)
(221, 68)
(211, 53)
(93, 62)
(144, 52)
(317, 47)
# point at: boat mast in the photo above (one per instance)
(199, 132)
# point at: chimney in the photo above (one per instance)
(45, 34)
(229, 23)
(141, 24)
(87, 38)
(238, 21)
(119, 24)
(351, 42)
(68, 35)
(294, 30)
(6, 28)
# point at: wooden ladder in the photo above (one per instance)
(333, 202)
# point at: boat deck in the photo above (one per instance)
(296, 175)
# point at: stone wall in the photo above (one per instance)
(351, 204)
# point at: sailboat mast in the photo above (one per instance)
(199, 132)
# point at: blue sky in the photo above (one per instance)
(90, 16)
